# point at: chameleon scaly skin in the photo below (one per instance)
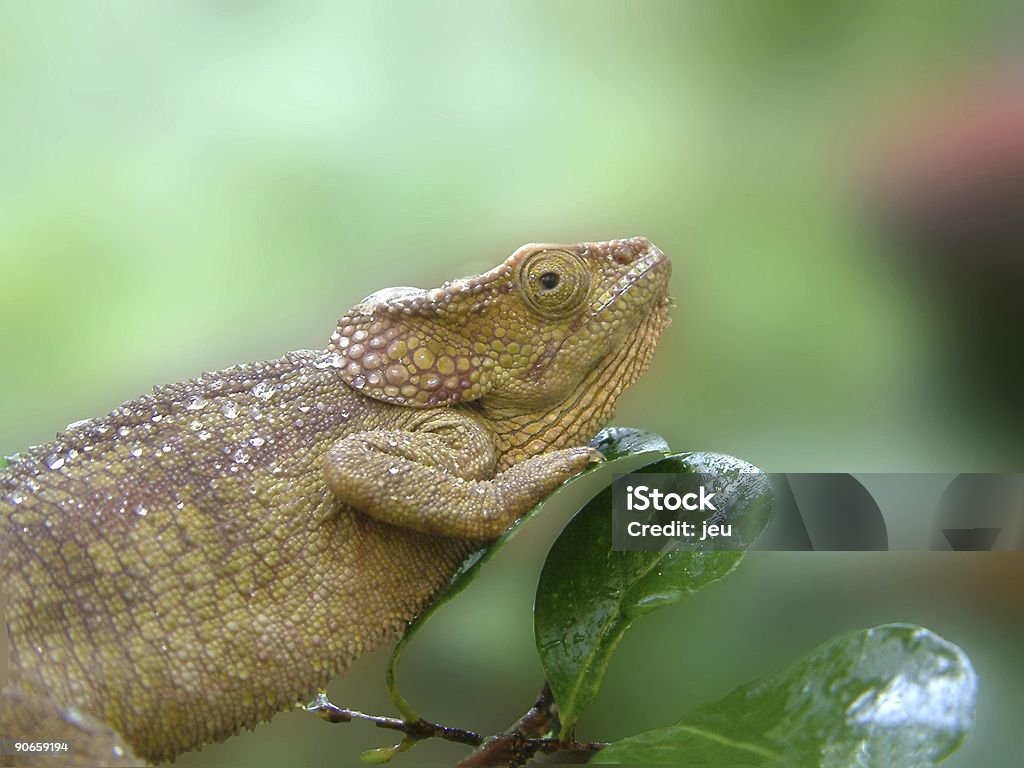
(209, 555)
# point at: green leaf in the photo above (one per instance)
(620, 442)
(617, 442)
(895, 695)
(589, 595)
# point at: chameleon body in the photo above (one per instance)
(210, 554)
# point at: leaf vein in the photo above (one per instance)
(743, 745)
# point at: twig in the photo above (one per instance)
(513, 750)
(526, 738)
(541, 719)
(419, 729)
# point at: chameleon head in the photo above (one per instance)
(550, 321)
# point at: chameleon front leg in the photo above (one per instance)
(441, 481)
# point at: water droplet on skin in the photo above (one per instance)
(257, 442)
(345, 415)
(72, 454)
(17, 498)
(136, 452)
(263, 391)
(180, 505)
(140, 510)
(157, 418)
(304, 408)
(358, 382)
(123, 431)
(165, 448)
(229, 409)
(393, 470)
(204, 435)
(241, 456)
(56, 461)
(299, 422)
(195, 403)
(76, 424)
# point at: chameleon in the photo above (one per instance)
(213, 553)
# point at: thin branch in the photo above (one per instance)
(513, 750)
(541, 719)
(529, 735)
(525, 739)
(419, 729)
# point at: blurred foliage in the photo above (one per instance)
(189, 185)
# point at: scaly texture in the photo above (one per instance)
(209, 555)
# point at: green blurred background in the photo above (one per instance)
(190, 185)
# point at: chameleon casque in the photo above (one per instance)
(211, 554)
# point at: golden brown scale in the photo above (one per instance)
(209, 555)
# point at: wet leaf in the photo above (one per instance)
(616, 442)
(589, 595)
(895, 695)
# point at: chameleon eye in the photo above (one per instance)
(549, 281)
(554, 283)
